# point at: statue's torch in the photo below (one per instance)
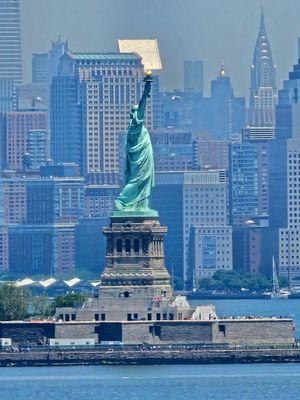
(148, 79)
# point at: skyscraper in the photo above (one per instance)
(99, 200)
(38, 148)
(223, 114)
(16, 126)
(249, 205)
(10, 51)
(7, 94)
(54, 200)
(45, 65)
(287, 127)
(41, 249)
(210, 251)
(99, 89)
(14, 200)
(210, 153)
(40, 68)
(284, 177)
(66, 121)
(10, 40)
(288, 108)
(193, 76)
(3, 249)
(289, 242)
(263, 95)
(173, 149)
(248, 182)
(181, 109)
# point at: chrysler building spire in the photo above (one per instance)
(263, 95)
(262, 27)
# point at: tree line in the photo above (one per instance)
(17, 303)
(234, 281)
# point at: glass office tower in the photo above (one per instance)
(10, 41)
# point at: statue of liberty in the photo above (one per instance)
(139, 173)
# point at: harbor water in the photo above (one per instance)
(177, 382)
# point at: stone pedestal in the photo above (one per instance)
(135, 283)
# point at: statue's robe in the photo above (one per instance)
(139, 174)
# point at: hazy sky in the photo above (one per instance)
(211, 30)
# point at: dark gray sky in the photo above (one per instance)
(211, 30)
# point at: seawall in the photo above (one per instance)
(148, 357)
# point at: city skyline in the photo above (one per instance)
(219, 37)
(71, 121)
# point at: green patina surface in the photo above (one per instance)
(147, 213)
(139, 175)
(105, 56)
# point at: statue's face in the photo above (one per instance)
(133, 110)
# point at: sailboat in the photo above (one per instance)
(277, 293)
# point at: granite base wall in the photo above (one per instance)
(76, 330)
(239, 332)
(164, 332)
(245, 332)
(27, 332)
(187, 331)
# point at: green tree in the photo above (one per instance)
(41, 306)
(234, 281)
(14, 302)
(68, 300)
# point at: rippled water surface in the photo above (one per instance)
(226, 382)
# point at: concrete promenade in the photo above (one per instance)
(147, 357)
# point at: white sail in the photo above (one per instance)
(276, 288)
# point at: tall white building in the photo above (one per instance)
(192, 200)
(10, 52)
(207, 236)
(289, 238)
(10, 41)
(211, 250)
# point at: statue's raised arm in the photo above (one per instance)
(139, 174)
(143, 101)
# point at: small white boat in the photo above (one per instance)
(277, 293)
(282, 294)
